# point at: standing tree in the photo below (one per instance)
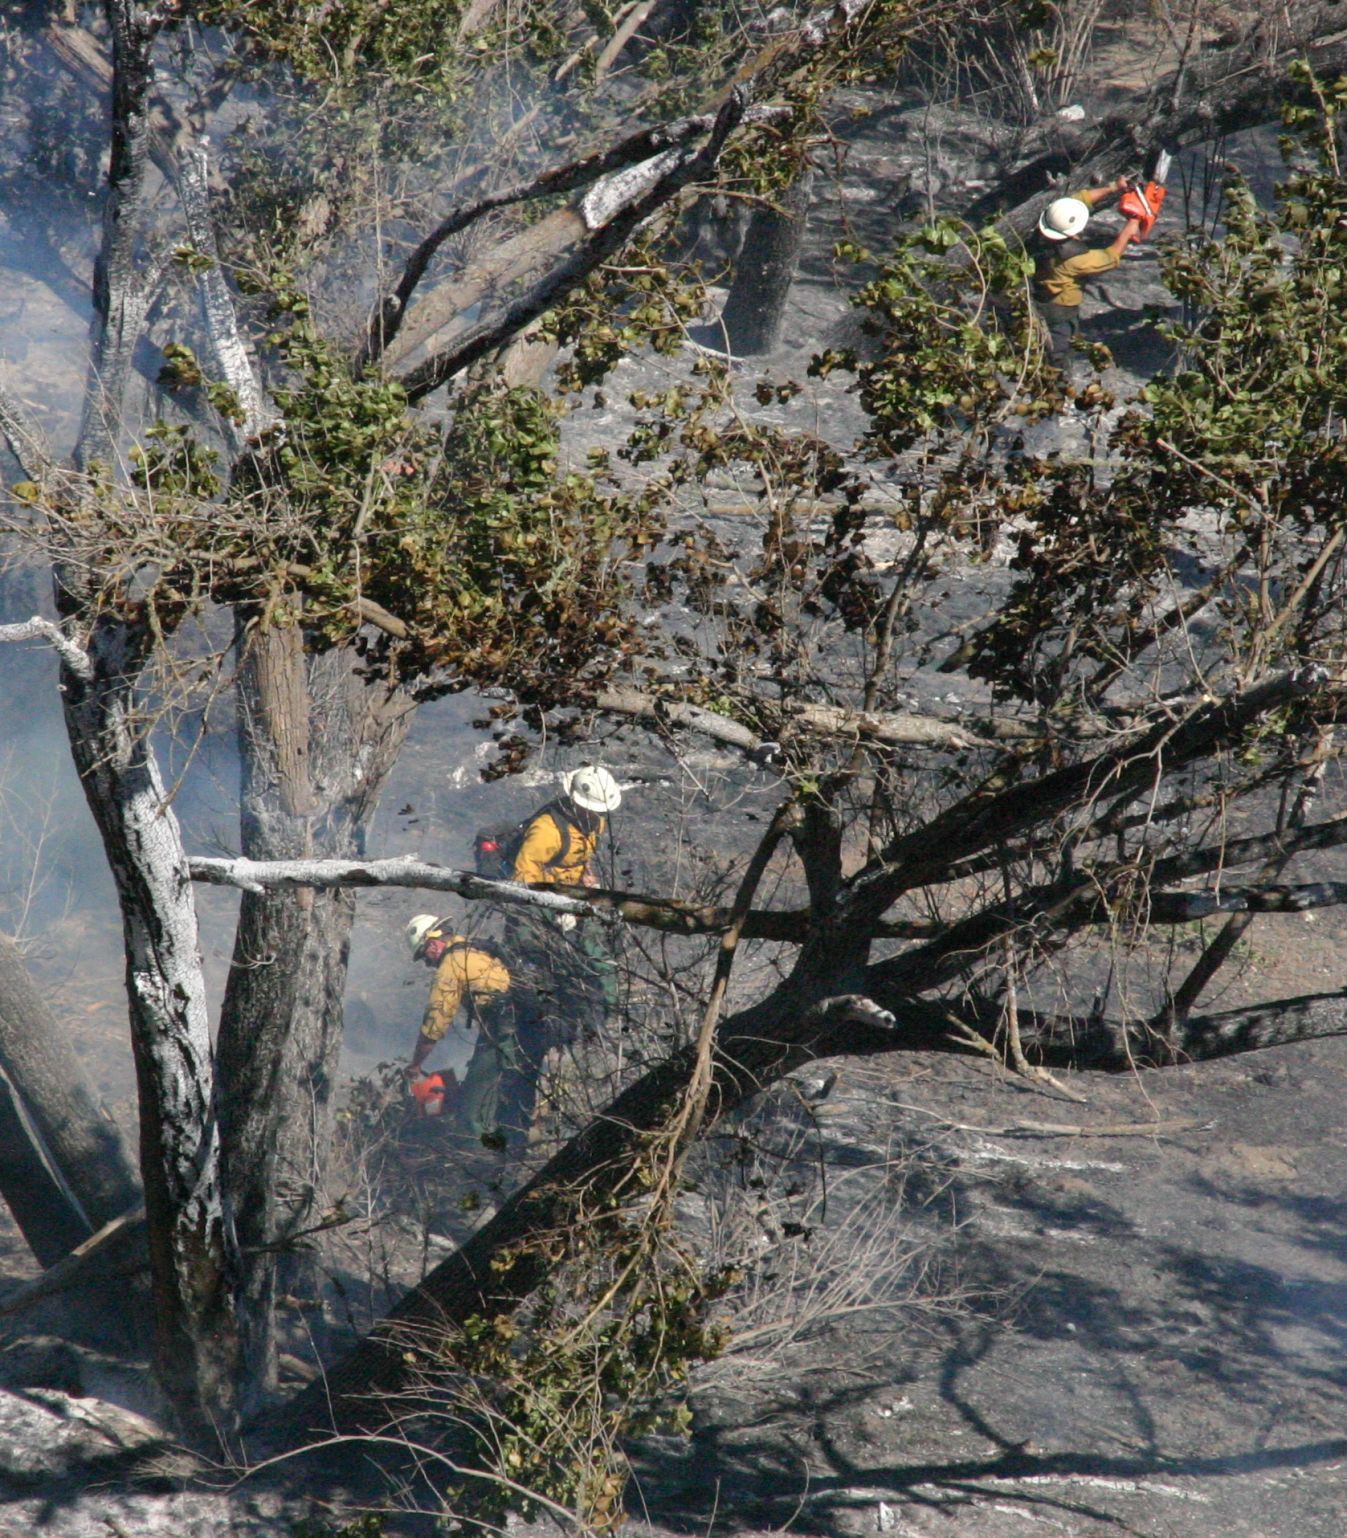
(947, 876)
(368, 555)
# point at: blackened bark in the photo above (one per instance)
(38, 1057)
(41, 1203)
(313, 753)
(120, 293)
(756, 305)
(1001, 812)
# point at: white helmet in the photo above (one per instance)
(1063, 218)
(592, 789)
(419, 929)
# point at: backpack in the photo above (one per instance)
(492, 948)
(496, 846)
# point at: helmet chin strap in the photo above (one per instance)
(584, 818)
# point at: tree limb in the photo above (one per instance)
(117, 1249)
(1110, 1046)
(886, 727)
(1245, 851)
(999, 814)
(635, 149)
(39, 629)
(22, 436)
(666, 914)
(624, 206)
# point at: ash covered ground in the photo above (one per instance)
(1121, 1316)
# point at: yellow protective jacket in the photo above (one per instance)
(1061, 266)
(554, 850)
(464, 972)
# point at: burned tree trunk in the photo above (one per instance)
(756, 305)
(191, 1250)
(89, 1165)
(312, 759)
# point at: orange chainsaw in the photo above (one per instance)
(1144, 200)
(436, 1093)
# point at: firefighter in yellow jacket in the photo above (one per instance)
(561, 838)
(558, 849)
(1063, 262)
(500, 1086)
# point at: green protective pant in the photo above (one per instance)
(571, 973)
(500, 1085)
(601, 983)
(1062, 323)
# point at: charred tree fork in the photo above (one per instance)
(934, 862)
(318, 730)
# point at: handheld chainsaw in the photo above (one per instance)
(436, 1093)
(1144, 200)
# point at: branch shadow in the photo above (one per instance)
(1103, 1358)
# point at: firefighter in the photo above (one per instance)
(499, 1089)
(1062, 262)
(557, 848)
(560, 838)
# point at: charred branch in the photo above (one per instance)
(117, 1252)
(668, 174)
(634, 150)
(1188, 907)
(1089, 1044)
(997, 814)
(119, 294)
(1246, 851)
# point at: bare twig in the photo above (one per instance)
(39, 629)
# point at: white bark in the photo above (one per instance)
(191, 1243)
(403, 870)
(228, 355)
(72, 656)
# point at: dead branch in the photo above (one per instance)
(1000, 814)
(24, 440)
(610, 213)
(1246, 851)
(890, 728)
(1188, 907)
(39, 629)
(660, 913)
(635, 149)
(117, 1249)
